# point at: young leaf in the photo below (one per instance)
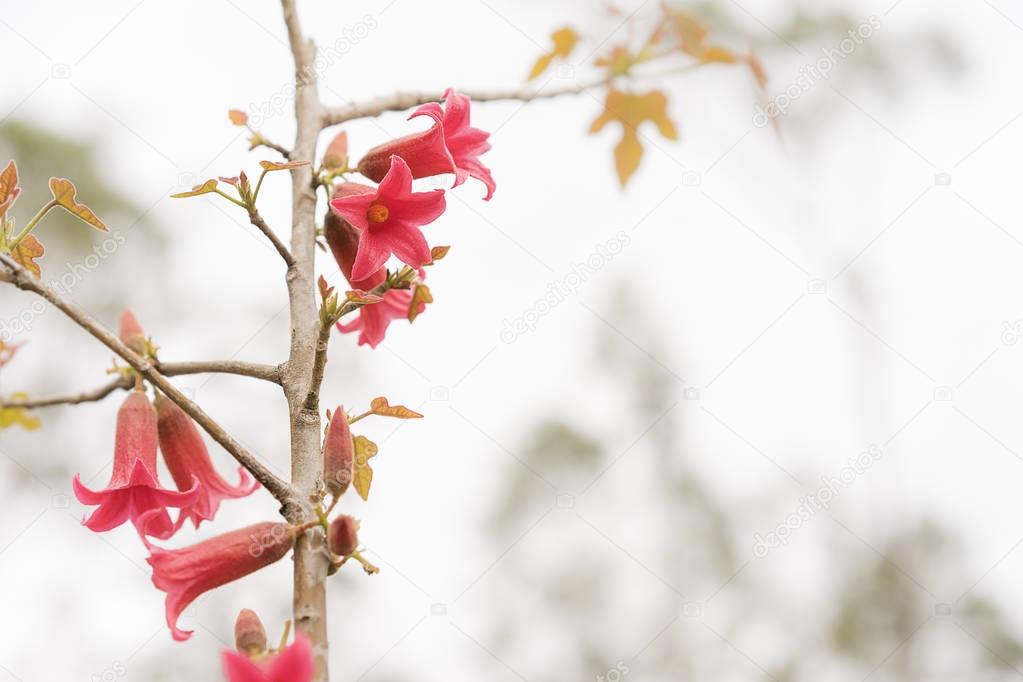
(420, 297)
(9, 189)
(437, 253)
(336, 156)
(64, 192)
(363, 297)
(10, 416)
(325, 289)
(365, 449)
(207, 187)
(275, 166)
(238, 117)
(631, 110)
(381, 407)
(565, 40)
(27, 250)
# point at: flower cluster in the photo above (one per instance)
(368, 225)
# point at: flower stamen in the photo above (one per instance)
(377, 213)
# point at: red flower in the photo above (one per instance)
(388, 219)
(134, 493)
(451, 145)
(293, 664)
(188, 460)
(343, 240)
(186, 573)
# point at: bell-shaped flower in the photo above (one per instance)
(134, 491)
(186, 573)
(451, 145)
(188, 460)
(388, 219)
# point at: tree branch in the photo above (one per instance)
(406, 100)
(312, 561)
(95, 395)
(258, 221)
(312, 399)
(271, 373)
(23, 280)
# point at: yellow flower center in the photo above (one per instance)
(377, 213)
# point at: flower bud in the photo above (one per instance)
(249, 633)
(344, 535)
(131, 332)
(338, 454)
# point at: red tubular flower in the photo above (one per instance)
(134, 493)
(338, 454)
(186, 573)
(372, 320)
(188, 460)
(293, 664)
(451, 145)
(388, 219)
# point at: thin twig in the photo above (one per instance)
(123, 382)
(24, 280)
(258, 221)
(406, 100)
(271, 373)
(312, 399)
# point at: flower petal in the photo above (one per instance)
(353, 208)
(397, 184)
(408, 244)
(419, 208)
(373, 253)
(238, 668)
(295, 663)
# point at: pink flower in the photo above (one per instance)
(293, 664)
(188, 460)
(451, 145)
(186, 573)
(388, 219)
(134, 493)
(373, 319)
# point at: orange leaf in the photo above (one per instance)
(565, 40)
(27, 250)
(8, 186)
(631, 110)
(205, 188)
(365, 449)
(238, 117)
(718, 54)
(364, 297)
(420, 297)
(381, 407)
(336, 156)
(437, 253)
(64, 192)
(275, 166)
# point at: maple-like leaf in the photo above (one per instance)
(420, 297)
(437, 253)
(10, 416)
(631, 110)
(365, 450)
(205, 188)
(380, 406)
(26, 253)
(276, 166)
(564, 40)
(9, 189)
(64, 193)
(238, 117)
(363, 297)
